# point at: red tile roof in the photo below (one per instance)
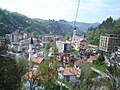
(79, 63)
(32, 74)
(92, 46)
(93, 58)
(37, 59)
(70, 72)
(35, 74)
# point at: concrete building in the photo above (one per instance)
(63, 46)
(109, 43)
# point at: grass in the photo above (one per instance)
(100, 67)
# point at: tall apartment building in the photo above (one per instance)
(109, 43)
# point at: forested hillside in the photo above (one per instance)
(109, 26)
(11, 21)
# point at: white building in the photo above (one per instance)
(63, 46)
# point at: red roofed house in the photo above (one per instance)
(70, 72)
(83, 43)
(92, 59)
(36, 75)
(78, 65)
(32, 75)
(65, 58)
(94, 48)
(37, 59)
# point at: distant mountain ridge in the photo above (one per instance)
(12, 21)
(84, 26)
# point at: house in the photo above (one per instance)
(65, 58)
(67, 72)
(93, 48)
(70, 72)
(92, 59)
(37, 59)
(35, 75)
(78, 65)
(63, 46)
(31, 75)
(50, 38)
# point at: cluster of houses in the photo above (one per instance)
(25, 45)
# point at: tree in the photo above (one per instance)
(87, 79)
(67, 37)
(114, 73)
(47, 46)
(54, 49)
(45, 75)
(10, 74)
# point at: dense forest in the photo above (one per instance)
(109, 26)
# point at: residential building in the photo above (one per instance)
(37, 60)
(65, 58)
(50, 38)
(78, 65)
(92, 59)
(109, 43)
(63, 46)
(83, 44)
(70, 72)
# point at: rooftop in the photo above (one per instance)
(70, 72)
(79, 63)
(37, 59)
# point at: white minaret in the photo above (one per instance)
(30, 51)
(74, 33)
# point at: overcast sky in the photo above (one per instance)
(89, 10)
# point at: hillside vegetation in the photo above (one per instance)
(108, 26)
(12, 21)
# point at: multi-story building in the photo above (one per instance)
(109, 43)
(63, 46)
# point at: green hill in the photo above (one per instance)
(12, 21)
(109, 26)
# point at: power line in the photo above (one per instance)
(76, 14)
